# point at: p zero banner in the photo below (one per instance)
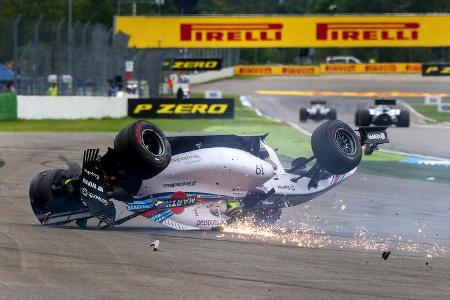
(285, 31)
(194, 64)
(186, 108)
(436, 70)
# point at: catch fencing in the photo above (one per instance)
(82, 57)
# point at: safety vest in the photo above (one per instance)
(53, 91)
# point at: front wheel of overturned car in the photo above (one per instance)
(143, 148)
(303, 114)
(336, 147)
(403, 119)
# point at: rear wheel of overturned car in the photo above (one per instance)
(47, 197)
(143, 148)
(403, 119)
(303, 114)
(364, 117)
(336, 147)
(332, 114)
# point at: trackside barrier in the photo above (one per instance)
(70, 107)
(8, 106)
(210, 75)
(274, 70)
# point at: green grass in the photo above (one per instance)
(430, 111)
(288, 140)
(378, 156)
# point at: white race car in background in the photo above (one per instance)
(317, 111)
(383, 113)
(196, 182)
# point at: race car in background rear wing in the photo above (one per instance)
(391, 102)
(372, 136)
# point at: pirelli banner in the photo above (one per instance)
(285, 31)
(185, 108)
(267, 70)
(412, 68)
(274, 70)
(436, 70)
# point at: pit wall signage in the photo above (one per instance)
(436, 70)
(193, 64)
(276, 70)
(286, 31)
(181, 109)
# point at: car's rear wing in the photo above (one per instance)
(390, 102)
(372, 136)
(318, 102)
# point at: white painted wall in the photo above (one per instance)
(210, 75)
(70, 107)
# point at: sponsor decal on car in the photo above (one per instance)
(177, 203)
(92, 185)
(90, 173)
(98, 198)
(376, 136)
(286, 187)
(209, 223)
(187, 159)
(179, 184)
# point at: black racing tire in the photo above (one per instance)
(357, 113)
(332, 114)
(403, 118)
(45, 199)
(364, 117)
(336, 147)
(303, 114)
(143, 148)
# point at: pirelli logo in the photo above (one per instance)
(370, 31)
(187, 108)
(231, 32)
(193, 64)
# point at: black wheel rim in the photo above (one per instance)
(152, 142)
(345, 141)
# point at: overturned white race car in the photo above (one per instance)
(383, 113)
(196, 182)
(317, 111)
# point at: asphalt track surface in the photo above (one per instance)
(57, 263)
(428, 140)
